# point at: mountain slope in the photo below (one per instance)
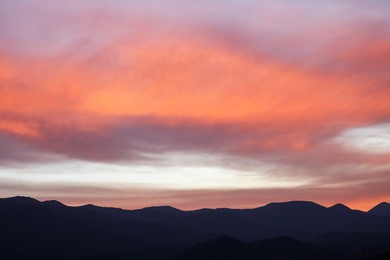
(229, 248)
(353, 240)
(382, 209)
(48, 229)
(220, 248)
(208, 223)
(300, 219)
(307, 220)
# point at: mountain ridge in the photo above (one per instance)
(382, 209)
(27, 224)
(271, 204)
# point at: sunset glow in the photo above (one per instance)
(195, 104)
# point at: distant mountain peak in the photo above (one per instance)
(53, 203)
(339, 207)
(383, 204)
(382, 208)
(21, 199)
(89, 206)
(162, 208)
(294, 203)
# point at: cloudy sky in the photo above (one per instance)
(193, 104)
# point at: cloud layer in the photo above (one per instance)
(123, 82)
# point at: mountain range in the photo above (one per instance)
(30, 229)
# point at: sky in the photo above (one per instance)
(195, 104)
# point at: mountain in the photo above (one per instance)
(382, 209)
(301, 219)
(306, 220)
(356, 245)
(223, 247)
(206, 223)
(339, 208)
(288, 247)
(229, 248)
(31, 229)
(226, 248)
(50, 229)
(353, 240)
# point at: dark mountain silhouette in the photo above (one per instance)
(353, 240)
(51, 230)
(356, 245)
(220, 248)
(284, 247)
(381, 209)
(307, 220)
(300, 219)
(206, 223)
(30, 229)
(291, 248)
(339, 208)
(229, 248)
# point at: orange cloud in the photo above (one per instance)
(189, 79)
(18, 128)
(180, 80)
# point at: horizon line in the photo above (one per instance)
(189, 210)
